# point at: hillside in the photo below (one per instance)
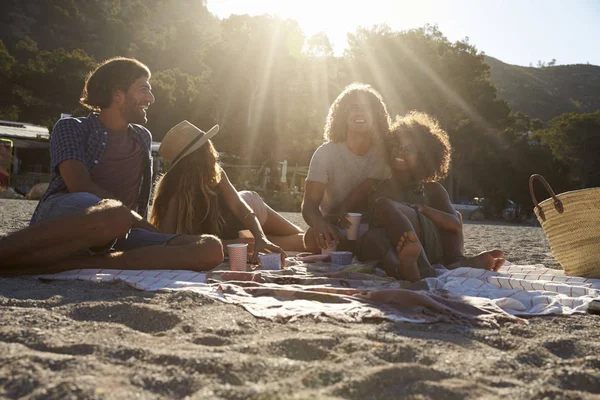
(547, 92)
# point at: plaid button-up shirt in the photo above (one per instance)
(84, 139)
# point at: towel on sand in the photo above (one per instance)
(347, 294)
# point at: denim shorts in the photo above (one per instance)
(62, 204)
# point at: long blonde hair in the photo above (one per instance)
(193, 183)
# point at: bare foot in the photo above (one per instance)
(408, 249)
(489, 260)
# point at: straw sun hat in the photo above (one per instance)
(182, 140)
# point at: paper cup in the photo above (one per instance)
(270, 261)
(352, 232)
(341, 257)
(238, 256)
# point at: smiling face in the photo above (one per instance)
(418, 149)
(404, 155)
(136, 101)
(359, 116)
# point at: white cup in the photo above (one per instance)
(238, 256)
(352, 232)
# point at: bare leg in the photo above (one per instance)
(196, 253)
(396, 226)
(289, 242)
(51, 241)
(276, 225)
(409, 249)
(278, 229)
(490, 260)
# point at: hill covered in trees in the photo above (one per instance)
(548, 91)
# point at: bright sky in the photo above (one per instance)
(514, 31)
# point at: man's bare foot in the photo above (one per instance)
(489, 260)
(408, 249)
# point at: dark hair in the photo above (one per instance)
(115, 73)
(431, 141)
(336, 124)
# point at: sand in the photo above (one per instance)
(62, 340)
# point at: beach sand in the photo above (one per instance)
(62, 340)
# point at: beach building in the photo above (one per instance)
(29, 148)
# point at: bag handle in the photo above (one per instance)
(558, 205)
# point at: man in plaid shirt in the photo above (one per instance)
(93, 214)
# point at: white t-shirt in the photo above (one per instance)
(342, 171)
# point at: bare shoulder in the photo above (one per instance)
(435, 190)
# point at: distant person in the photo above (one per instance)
(356, 126)
(93, 213)
(413, 223)
(195, 196)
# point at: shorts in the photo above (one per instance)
(256, 203)
(63, 204)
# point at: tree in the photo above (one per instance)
(575, 140)
(255, 66)
(420, 69)
(319, 45)
(8, 110)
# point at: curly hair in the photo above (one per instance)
(193, 183)
(431, 141)
(336, 124)
(115, 73)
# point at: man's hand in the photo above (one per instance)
(341, 220)
(327, 234)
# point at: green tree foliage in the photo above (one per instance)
(420, 69)
(8, 109)
(575, 140)
(269, 87)
(255, 73)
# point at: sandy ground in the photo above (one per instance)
(63, 340)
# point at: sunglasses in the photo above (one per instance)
(403, 148)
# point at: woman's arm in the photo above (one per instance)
(168, 224)
(440, 212)
(244, 213)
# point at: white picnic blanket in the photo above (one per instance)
(522, 289)
(517, 289)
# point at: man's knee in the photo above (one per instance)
(208, 251)
(110, 218)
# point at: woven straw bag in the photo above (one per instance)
(571, 221)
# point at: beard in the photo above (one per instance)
(132, 112)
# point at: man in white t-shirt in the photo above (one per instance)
(342, 168)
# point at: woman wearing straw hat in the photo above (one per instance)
(195, 196)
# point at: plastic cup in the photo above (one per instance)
(238, 256)
(352, 232)
(341, 257)
(271, 261)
